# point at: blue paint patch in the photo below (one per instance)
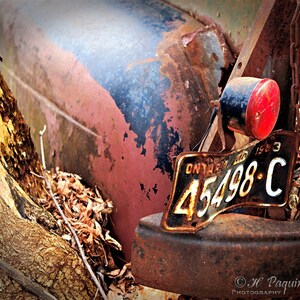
(167, 137)
(117, 42)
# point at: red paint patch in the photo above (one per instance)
(70, 98)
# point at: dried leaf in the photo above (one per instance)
(87, 212)
(114, 274)
(62, 188)
(107, 211)
(76, 208)
(98, 230)
(114, 243)
(83, 197)
(122, 287)
(119, 273)
(77, 186)
(109, 203)
(98, 208)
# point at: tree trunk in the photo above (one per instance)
(18, 153)
(34, 263)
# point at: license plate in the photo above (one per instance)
(206, 184)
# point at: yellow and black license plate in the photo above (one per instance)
(206, 184)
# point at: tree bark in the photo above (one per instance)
(18, 153)
(34, 263)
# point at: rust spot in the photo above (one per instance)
(193, 57)
(214, 56)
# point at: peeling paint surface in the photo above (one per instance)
(117, 90)
(135, 87)
(235, 17)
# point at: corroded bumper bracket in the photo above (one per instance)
(236, 256)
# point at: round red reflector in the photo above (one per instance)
(251, 106)
(263, 109)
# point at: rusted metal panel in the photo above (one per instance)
(207, 53)
(270, 26)
(269, 34)
(265, 52)
(113, 84)
(235, 257)
(235, 17)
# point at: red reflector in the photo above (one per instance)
(263, 109)
(251, 106)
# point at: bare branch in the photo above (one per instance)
(42, 147)
(37, 175)
(80, 248)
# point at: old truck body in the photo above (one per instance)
(122, 86)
